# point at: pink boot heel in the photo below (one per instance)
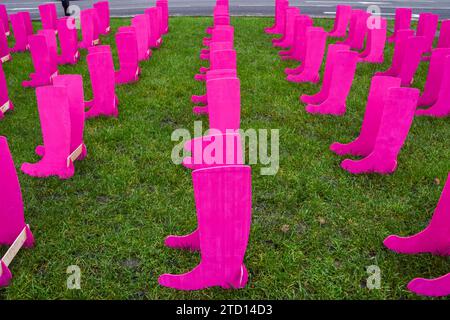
(365, 143)
(439, 287)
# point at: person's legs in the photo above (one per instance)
(65, 4)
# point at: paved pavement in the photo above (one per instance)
(244, 7)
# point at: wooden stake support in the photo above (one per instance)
(74, 156)
(5, 107)
(6, 58)
(14, 249)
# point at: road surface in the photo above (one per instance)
(121, 8)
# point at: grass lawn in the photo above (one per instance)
(315, 229)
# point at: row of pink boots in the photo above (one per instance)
(222, 184)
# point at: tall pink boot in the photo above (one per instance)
(340, 85)
(87, 17)
(444, 35)
(376, 41)
(276, 29)
(101, 71)
(142, 26)
(435, 238)
(403, 18)
(281, 19)
(316, 39)
(68, 41)
(73, 84)
(441, 108)
(45, 67)
(411, 61)
(5, 54)
(213, 150)
(27, 20)
(53, 106)
(13, 229)
(164, 5)
(398, 115)
(434, 78)
(288, 37)
(427, 27)
(127, 50)
(224, 220)
(20, 33)
(358, 30)
(401, 40)
(48, 15)
(365, 143)
(102, 9)
(343, 15)
(153, 35)
(331, 61)
(5, 102)
(4, 19)
(302, 22)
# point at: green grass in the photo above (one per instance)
(315, 227)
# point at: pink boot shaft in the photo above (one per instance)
(127, 50)
(12, 220)
(68, 40)
(142, 27)
(48, 15)
(4, 19)
(403, 18)
(20, 33)
(376, 41)
(441, 107)
(434, 239)
(102, 9)
(5, 54)
(5, 102)
(276, 28)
